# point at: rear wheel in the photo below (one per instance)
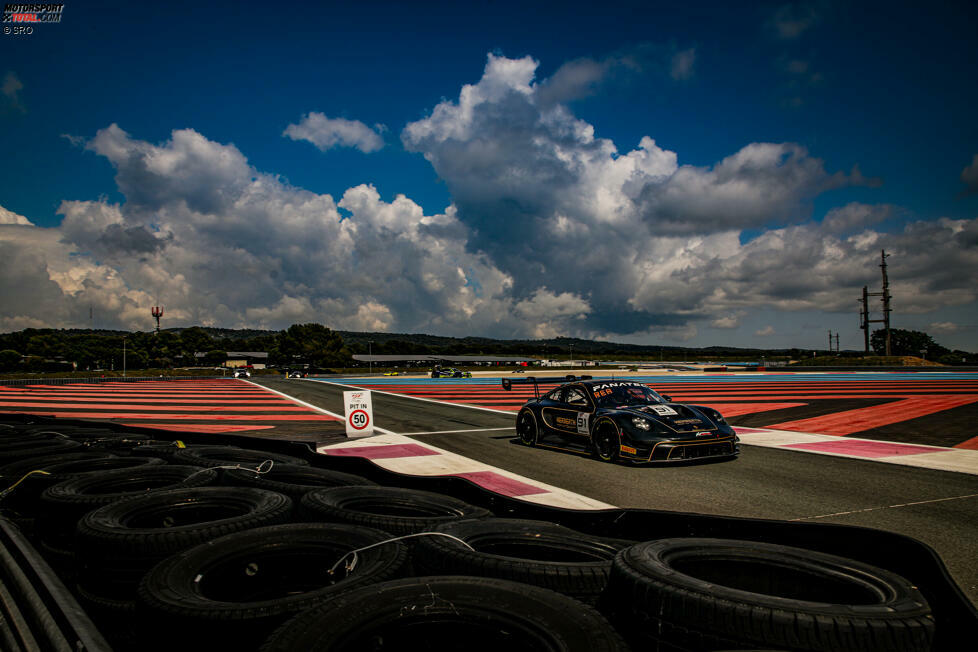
(526, 427)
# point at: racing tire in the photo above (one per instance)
(20, 450)
(213, 456)
(448, 613)
(391, 509)
(534, 552)
(527, 429)
(708, 594)
(605, 444)
(234, 591)
(294, 480)
(117, 543)
(63, 504)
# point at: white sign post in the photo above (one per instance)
(359, 414)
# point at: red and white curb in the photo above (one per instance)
(404, 455)
(957, 460)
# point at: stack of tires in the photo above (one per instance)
(197, 547)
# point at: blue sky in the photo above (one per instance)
(254, 167)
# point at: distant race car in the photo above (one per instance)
(295, 374)
(620, 420)
(242, 373)
(392, 373)
(450, 372)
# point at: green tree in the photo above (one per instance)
(194, 340)
(215, 357)
(907, 342)
(9, 360)
(312, 344)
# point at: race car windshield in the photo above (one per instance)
(627, 395)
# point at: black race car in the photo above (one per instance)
(620, 419)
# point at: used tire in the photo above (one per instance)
(19, 450)
(234, 591)
(212, 456)
(117, 543)
(535, 552)
(392, 509)
(707, 594)
(448, 613)
(62, 504)
(294, 480)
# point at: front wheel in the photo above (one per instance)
(605, 444)
(526, 428)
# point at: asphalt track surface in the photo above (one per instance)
(474, 418)
(939, 508)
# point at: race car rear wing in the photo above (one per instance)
(536, 382)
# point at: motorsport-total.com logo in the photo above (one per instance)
(20, 18)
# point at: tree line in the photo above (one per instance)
(317, 346)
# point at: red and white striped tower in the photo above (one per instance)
(157, 312)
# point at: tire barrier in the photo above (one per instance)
(232, 592)
(448, 613)
(212, 456)
(167, 449)
(294, 480)
(19, 450)
(391, 509)
(119, 542)
(710, 594)
(63, 504)
(249, 566)
(534, 552)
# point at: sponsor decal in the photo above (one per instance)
(685, 422)
(603, 386)
(629, 449)
(704, 434)
(564, 421)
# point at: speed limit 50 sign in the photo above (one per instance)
(359, 414)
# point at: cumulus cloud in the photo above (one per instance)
(969, 176)
(792, 20)
(327, 133)
(9, 217)
(764, 332)
(943, 327)
(552, 231)
(546, 199)
(11, 93)
(855, 216)
(682, 64)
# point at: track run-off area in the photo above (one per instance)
(892, 451)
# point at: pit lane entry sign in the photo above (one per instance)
(359, 414)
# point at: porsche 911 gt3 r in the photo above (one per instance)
(619, 419)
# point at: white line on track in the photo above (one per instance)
(446, 432)
(314, 407)
(418, 398)
(873, 509)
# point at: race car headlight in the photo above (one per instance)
(640, 423)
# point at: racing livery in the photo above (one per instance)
(617, 419)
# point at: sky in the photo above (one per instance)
(686, 174)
